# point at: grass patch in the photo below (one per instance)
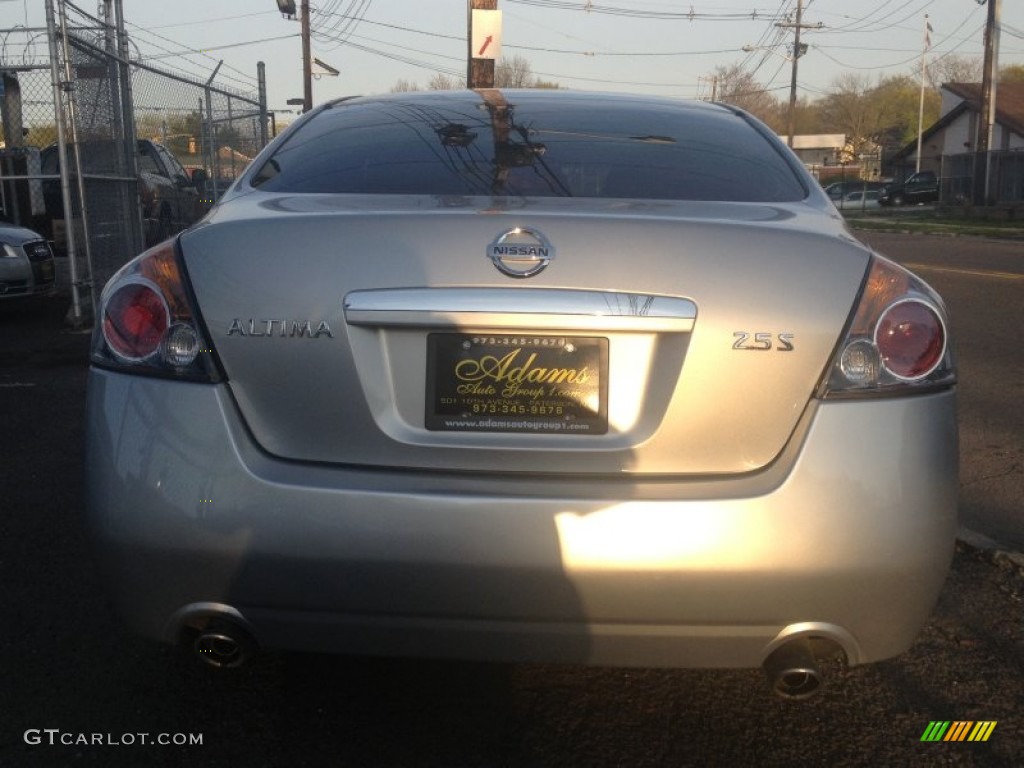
(930, 224)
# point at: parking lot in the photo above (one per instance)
(71, 672)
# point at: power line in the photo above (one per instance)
(754, 14)
(248, 78)
(224, 47)
(204, 22)
(912, 58)
(870, 25)
(566, 51)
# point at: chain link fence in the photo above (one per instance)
(26, 114)
(139, 152)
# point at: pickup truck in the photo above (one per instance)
(922, 187)
(169, 199)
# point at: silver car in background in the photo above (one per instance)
(27, 267)
(525, 375)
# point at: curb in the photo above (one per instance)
(999, 552)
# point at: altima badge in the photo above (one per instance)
(283, 328)
(521, 252)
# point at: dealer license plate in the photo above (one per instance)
(517, 383)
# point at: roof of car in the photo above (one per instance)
(536, 96)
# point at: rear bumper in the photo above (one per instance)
(848, 535)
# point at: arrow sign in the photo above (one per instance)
(485, 39)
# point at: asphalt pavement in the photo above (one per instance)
(76, 688)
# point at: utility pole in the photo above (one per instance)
(713, 80)
(920, 106)
(990, 77)
(307, 61)
(479, 71)
(797, 53)
(287, 9)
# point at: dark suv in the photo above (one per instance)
(170, 201)
(922, 187)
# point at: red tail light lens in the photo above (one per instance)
(135, 318)
(911, 339)
(149, 324)
(896, 340)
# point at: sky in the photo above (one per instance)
(643, 46)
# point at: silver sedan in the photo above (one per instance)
(525, 375)
(26, 263)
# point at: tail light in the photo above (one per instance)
(148, 323)
(897, 339)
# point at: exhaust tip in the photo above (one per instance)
(798, 683)
(792, 670)
(223, 646)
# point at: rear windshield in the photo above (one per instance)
(474, 145)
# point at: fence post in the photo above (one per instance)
(62, 154)
(261, 76)
(128, 124)
(211, 136)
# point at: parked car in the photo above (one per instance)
(859, 200)
(525, 375)
(26, 263)
(170, 201)
(922, 187)
(838, 190)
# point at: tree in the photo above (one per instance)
(968, 69)
(899, 104)
(41, 135)
(514, 73)
(885, 113)
(847, 109)
(1013, 73)
(549, 84)
(953, 69)
(517, 72)
(735, 86)
(404, 86)
(443, 82)
(508, 73)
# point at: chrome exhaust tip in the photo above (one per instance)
(792, 670)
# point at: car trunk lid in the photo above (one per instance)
(659, 338)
